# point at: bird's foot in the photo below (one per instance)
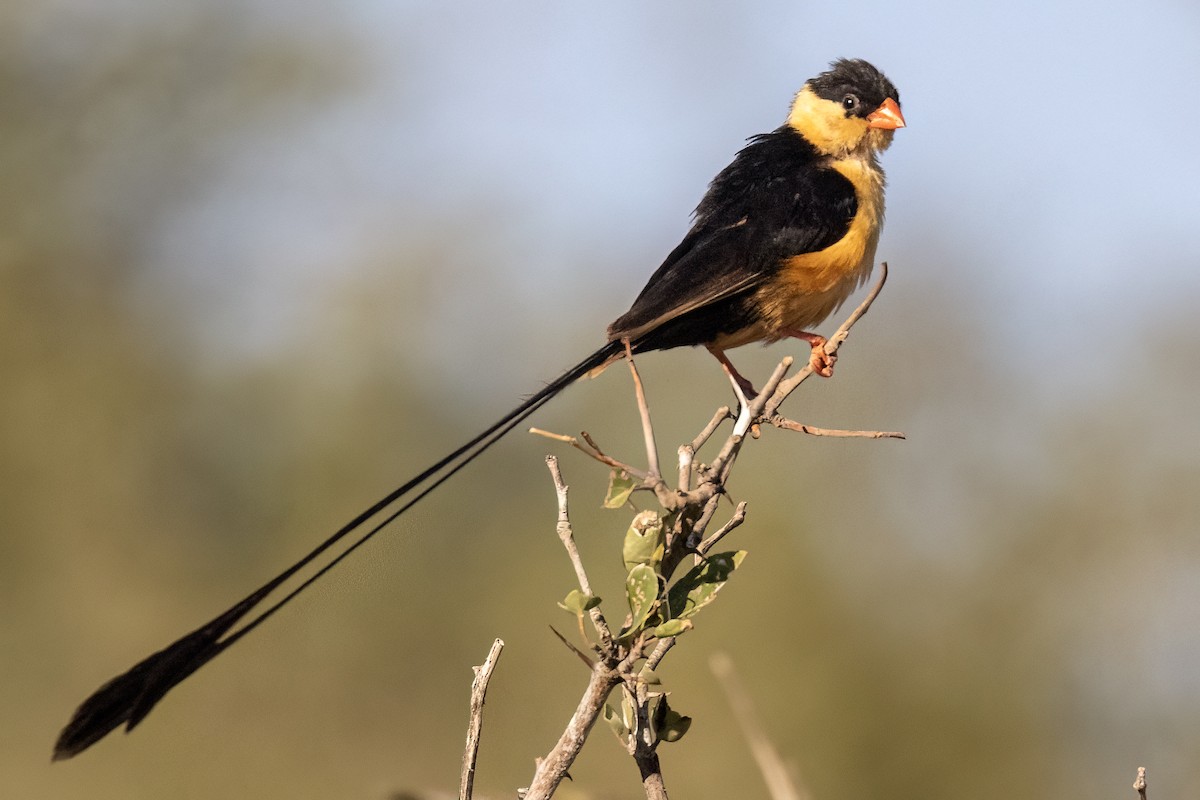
(821, 362)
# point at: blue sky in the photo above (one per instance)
(1050, 155)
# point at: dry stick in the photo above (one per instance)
(483, 674)
(604, 676)
(1140, 783)
(711, 428)
(553, 768)
(718, 470)
(660, 651)
(568, 539)
(775, 772)
(644, 410)
(582, 656)
(812, 430)
(739, 516)
(595, 452)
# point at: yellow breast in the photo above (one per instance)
(812, 286)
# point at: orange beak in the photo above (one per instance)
(887, 116)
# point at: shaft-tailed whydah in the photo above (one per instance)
(783, 236)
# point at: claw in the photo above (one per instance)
(822, 362)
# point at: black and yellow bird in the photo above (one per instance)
(783, 236)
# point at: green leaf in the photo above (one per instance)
(668, 725)
(674, 725)
(614, 720)
(620, 486)
(672, 627)
(699, 587)
(643, 541)
(577, 602)
(641, 588)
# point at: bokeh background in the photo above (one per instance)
(259, 262)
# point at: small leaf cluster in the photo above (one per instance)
(660, 607)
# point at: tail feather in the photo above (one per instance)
(129, 697)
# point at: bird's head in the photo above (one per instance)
(852, 109)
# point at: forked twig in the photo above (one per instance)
(594, 453)
(739, 516)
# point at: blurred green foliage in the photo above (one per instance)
(1005, 603)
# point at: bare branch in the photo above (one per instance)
(719, 469)
(811, 430)
(483, 674)
(553, 768)
(595, 453)
(652, 779)
(701, 524)
(588, 662)
(567, 537)
(660, 651)
(711, 428)
(644, 410)
(739, 516)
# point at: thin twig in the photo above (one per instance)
(567, 537)
(660, 651)
(595, 453)
(718, 470)
(711, 428)
(582, 655)
(812, 430)
(778, 779)
(479, 685)
(739, 516)
(696, 534)
(644, 411)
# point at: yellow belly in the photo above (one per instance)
(812, 286)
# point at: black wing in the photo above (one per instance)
(775, 200)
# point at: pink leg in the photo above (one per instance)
(731, 371)
(822, 362)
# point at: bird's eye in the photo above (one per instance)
(850, 102)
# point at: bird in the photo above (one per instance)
(782, 237)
